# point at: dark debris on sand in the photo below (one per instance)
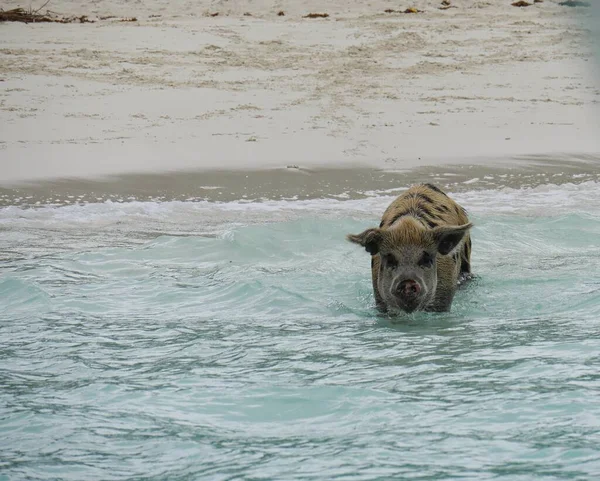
(29, 16)
(446, 4)
(575, 3)
(408, 10)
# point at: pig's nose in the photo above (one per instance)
(409, 289)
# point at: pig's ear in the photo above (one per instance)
(447, 238)
(369, 239)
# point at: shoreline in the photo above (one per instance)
(295, 183)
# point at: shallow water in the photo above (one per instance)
(193, 340)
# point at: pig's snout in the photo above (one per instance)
(408, 290)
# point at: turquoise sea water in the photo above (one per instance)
(182, 340)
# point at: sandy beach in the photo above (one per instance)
(184, 89)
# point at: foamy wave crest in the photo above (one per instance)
(546, 200)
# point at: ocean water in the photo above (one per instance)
(239, 341)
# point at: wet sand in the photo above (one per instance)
(295, 183)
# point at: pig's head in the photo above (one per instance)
(407, 277)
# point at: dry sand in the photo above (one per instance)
(178, 89)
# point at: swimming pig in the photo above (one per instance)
(420, 252)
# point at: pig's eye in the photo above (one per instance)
(390, 261)
(426, 260)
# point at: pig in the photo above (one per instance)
(420, 252)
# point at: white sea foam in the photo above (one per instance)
(545, 200)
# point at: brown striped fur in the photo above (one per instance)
(421, 222)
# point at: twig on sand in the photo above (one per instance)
(47, 2)
(21, 15)
(24, 16)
